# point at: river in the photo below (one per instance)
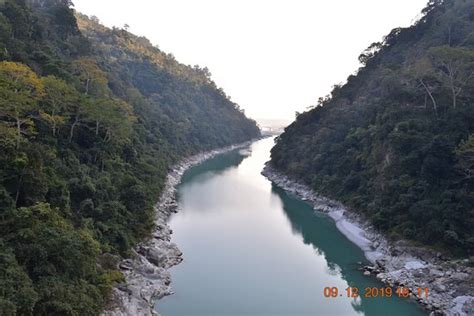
(251, 249)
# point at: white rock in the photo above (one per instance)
(146, 275)
(399, 266)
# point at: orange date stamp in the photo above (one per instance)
(374, 292)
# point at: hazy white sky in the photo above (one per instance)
(273, 57)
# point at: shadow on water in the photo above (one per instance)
(214, 166)
(342, 256)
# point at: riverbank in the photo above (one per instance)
(146, 273)
(450, 282)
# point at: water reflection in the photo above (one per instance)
(250, 249)
(214, 166)
(341, 256)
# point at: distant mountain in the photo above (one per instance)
(396, 142)
(91, 119)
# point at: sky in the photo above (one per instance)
(272, 57)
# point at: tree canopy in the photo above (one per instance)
(394, 142)
(86, 142)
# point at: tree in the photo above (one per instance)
(78, 113)
(465, 158)
(454, 67)
(5, 33)
(20, 91)
(423, 74)
(44, 243)
(370, 52)
(93, 80)
(16, 288)
(111, 118)
(59, 97)
(116, 116)
(64, 207)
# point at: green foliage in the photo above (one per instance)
(179, 102)
(17, 293)
(465, 158)
(395, 142)
(59, 99)
(86, 142)
(20, 91)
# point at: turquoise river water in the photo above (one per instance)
(251, 249)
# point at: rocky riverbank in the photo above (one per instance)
(450, 282)
(146, 272)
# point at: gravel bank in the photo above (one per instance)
(146, 272)
(450, 282)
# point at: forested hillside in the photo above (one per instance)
(90, 121)
(396, 141)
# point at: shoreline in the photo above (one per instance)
(147, 278)
(450, 282)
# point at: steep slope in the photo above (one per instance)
(184, 95)
(396, 141)
(90, 121)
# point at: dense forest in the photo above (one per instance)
(395, 142)
(91, 119)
